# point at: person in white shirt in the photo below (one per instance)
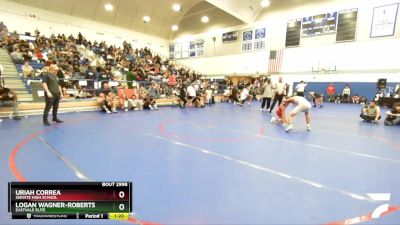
(209, 96)
(191, 92)
(280, 92)
(301, 105)
(300, 88)
(245, 96)
(346, 93)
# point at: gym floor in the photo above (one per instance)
(224, 164)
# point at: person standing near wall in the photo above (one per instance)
(280, 92)
(346, 94)
(330, 91)
(301, 88)
(52, 94)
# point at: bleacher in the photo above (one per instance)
(29, 107)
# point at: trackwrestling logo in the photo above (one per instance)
(380, 210)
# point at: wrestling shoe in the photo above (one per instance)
(289, 128)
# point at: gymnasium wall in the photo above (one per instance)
(367, 89)
(370, 58)
(16, 18)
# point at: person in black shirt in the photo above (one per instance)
(234, 95)
(149, 103)
(393, 116)
(52, 94)
(182, 95)
(9, 98)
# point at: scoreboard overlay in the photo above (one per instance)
(70, 200)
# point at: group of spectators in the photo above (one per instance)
(372, 113)
(79, 58)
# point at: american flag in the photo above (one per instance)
(275, 61)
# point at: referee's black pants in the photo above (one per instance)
(51, 103)
(278, 98)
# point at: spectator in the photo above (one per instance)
(226, 95)
(191, 92)
(172, 80)
(397, 92)
(371, 113)
(266, 94)
(330, 91)
(106, 99)
(17, 57)
(130, 77)
(1, 75)
(209, 96)
(182, 95)
(149, 103)
(393, 116)
(27, 70)
(301, 88)
(245, 96)
(235, 95)
(126, 100)
(3, 33)
(356, 99)
(346, 94)
(280, 91)
(9, 98)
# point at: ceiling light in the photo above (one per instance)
(146, 19)
(176, 7)
(265, 3)
(108, 7)
(174, 27)
(205, 19)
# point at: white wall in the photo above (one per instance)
(247, 63)
(16, 17)
(359, 60)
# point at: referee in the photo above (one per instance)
(52, 94)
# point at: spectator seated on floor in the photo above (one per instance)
(356, 99)
(371, 113)
(127, 99)
(363, 100)
(106, 99)
(338, 99)
(27, 70)
(149, 103)
(198, 101)
(393, 116)
(9, 98)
